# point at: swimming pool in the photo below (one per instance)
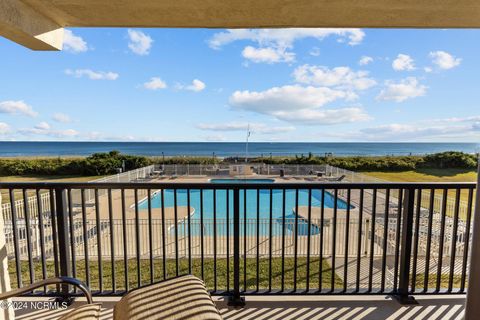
(263, 199)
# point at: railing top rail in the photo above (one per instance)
(207, 185)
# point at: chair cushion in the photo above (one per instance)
(182, 298)
(84, 312)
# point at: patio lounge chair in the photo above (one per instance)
(336, 179)
(183, 297)
(89, 311)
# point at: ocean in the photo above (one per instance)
(227, 149)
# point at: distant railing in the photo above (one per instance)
(290, 238)
(128, 176)
(358, 177)
(224, 169)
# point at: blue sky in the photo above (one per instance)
(208, 85)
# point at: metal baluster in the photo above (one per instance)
(406, 248)
(63, 237)
(99, 241)
(322, 229)
(235, 299)
(258, 240)
(283, 240)
(334, 240)
(28, 235)
(164, 248)
(85, 237)
(175, 212)
(347, 239)
(42, 236)
(431, 212)
(72, 235)
(18, 267)
(415, 244)
(215, 240)
(385, 238)
(441, 239)
(112, 240)
(454, 240)
(295, 264)
(398, 238)
(309, 234)
(125, 251)
(359, 240)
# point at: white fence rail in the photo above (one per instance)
(129, 176)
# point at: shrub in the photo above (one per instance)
(450, 159)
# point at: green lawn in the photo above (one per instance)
(426, 175)
(444, 280)
(208, 265)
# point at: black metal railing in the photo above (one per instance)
(242, 239)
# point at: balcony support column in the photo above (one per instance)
(5, 313)
(472, 307)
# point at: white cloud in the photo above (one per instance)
(44, 129)
(284, 38)
(427, 69)
(42, 126)
(413, 132)
(92, 75)
(155, 83)
(140, 43)
(274, 45)
(298, 104)
(324, 116)
(403, 62)
(17, 107)
(364, 60)
(267, 55)
(4, 128)
(73, 43)
(61, 117)
(341, 77)
(456, 119)
(405, 89)
(444, 60)
(243, 126)
(196, 86)
(290, 97)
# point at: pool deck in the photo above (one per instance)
(328, 213)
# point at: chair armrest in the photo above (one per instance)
(58, 280)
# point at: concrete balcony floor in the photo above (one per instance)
(301, 307)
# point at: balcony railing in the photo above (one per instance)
(242, 239)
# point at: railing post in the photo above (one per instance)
(406, 248)
(235, 299)
(61, 213)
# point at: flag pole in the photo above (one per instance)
(246, 145)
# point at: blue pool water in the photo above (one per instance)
(251, 214)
